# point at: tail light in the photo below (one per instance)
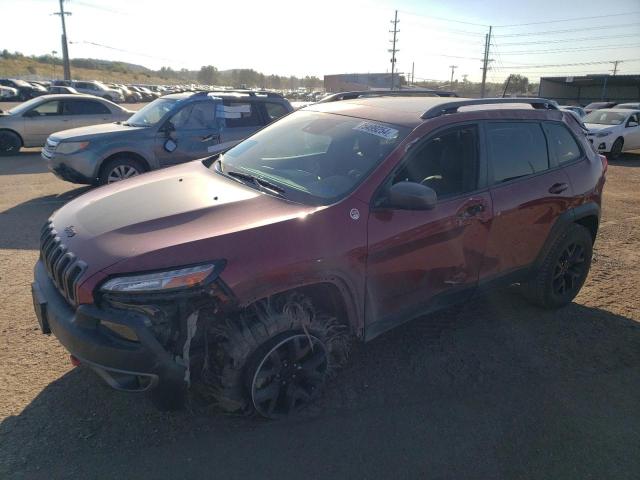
(605, 163)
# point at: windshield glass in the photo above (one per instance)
(605, 118)
(315, 158)
(151, 113)
(23, 107)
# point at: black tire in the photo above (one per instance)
(124, 163)
(563, 271)
(616, 149)
(10, 143)
(245, 343)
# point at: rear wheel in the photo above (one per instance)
(10, 143)
(563, 271)
(120, 168)
(616, 149)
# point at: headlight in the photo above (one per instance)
(162, 281)
(71, 147)
(602, 134)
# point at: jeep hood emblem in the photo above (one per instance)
(70, 231)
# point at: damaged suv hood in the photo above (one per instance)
(158, 210)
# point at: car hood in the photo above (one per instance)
(596, 127)
(93, 131)
(155, 211)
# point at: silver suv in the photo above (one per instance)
(170, 130)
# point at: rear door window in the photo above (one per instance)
(516, 149)
(561, 143)
(249, 118)
(85, 107)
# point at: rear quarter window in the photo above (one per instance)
(562, 143)
(274, 110)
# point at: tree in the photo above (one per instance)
(516, 83)
(208, 75)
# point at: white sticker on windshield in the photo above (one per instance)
(378, 130)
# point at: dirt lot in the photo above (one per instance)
(496, 389)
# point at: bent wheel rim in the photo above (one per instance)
(122, 172)
(569, 270)
(289, 376)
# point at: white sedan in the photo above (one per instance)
(613, 130)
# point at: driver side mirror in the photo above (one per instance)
(411, 196)
(31, 113)
(632, 124)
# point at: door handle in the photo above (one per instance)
(558, 188)
(472, 210)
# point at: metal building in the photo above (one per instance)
(591, 88)
(361, 81)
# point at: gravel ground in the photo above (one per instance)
(495, 389)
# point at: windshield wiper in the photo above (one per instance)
(259, 182)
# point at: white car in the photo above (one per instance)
(7, 92)
(613, 130)
(99, 90)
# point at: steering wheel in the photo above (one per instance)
(431, 177)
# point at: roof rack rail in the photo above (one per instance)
(251, 93)
(336, 97)
(452, 106)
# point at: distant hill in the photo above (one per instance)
(46, 67)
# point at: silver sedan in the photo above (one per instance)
(30, 123)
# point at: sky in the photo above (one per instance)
(300, 38)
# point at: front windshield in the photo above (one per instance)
(316, 158)
(23, 107)
(605, 118)
(151, 113)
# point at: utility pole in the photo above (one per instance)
(615, 66)
(485, 62)
(393, 51)
(65, 49)
(413, 76)
(453, 69)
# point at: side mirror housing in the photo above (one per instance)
(632, 124)
(31, 113)
(411, 196)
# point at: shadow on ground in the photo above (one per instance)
(627, 160)
(497, 389)
(20, 225)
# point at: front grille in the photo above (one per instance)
(63, 267)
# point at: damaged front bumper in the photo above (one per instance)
(120, 344)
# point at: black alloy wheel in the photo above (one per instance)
(289, 376)
(570, 270)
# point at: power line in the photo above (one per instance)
(581, 49)
(629, 60)
(541, 42)
(569, 30)
(444, 19)
(569, 19)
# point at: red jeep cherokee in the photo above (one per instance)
(250, 272)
